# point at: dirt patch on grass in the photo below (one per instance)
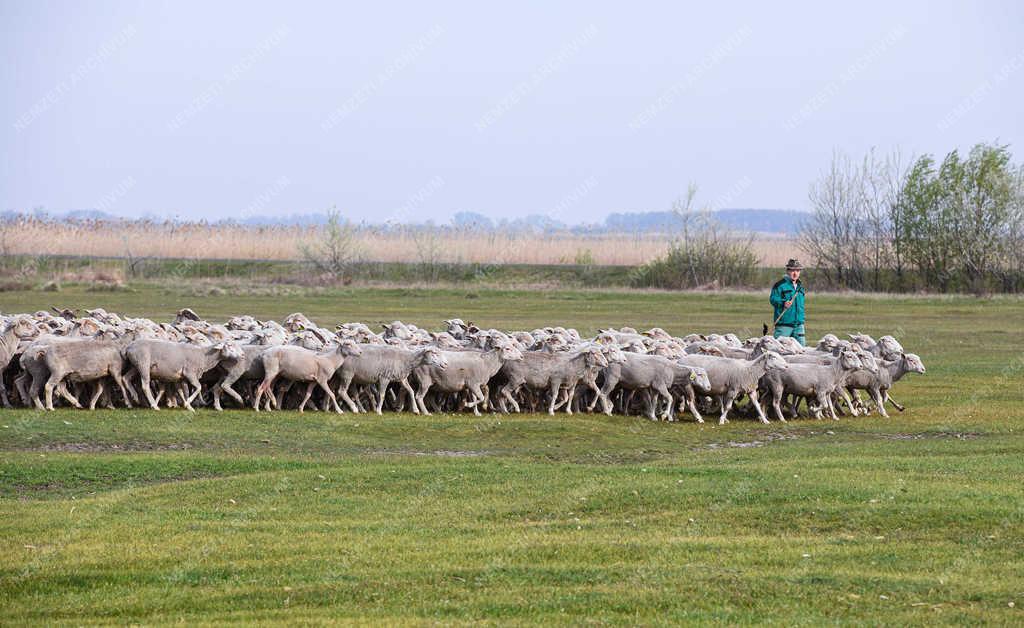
(443, 453)
(930, 435)
(110, 447)
(760, 439)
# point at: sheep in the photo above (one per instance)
(698, 377)
(12, 332)
(174, 362)
(649, 372)
(381, 365)
(249, 367)
(297, 322)
(541, 370)
(302, 365)
(887, 346)
(818, 380)
(468, 370)
(731, 377)
(878, 383)
(84, 360)
(34, 373)
(186, 314)
(556, 361)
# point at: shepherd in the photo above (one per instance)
(787, 297)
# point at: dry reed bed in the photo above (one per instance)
(413, 244)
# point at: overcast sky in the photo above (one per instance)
(417, 110)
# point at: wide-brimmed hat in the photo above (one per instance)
(794, 264)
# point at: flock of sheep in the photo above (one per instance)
(114, 360)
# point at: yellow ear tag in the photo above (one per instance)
(693, 376)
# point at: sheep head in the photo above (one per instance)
(913, 363)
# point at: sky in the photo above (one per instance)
(413, 111)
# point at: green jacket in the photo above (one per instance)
(783, 291)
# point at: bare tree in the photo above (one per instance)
(337, 250)
(879, 213)
(857, 215)
(703, 254)
(830, 234)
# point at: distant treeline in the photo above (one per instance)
(773, 221)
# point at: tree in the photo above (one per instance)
(703, 254)
(962, 220)
(337, 249)
(829, 236)
(856, 213)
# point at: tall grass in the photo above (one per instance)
(143, 239)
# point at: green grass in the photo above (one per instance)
(159, 517)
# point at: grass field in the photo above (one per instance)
(159, 517)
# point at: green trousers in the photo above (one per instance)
(796, 331)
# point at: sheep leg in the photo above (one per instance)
(343, 393)
(268, 381)
(216, 397)
(776, 403)
(825, 402)
(849, 402)
(570, 396)
(225, 386)
(51, 382)
(726, 402)
(649, 404)
(21, 384)
(96, 394)
(757, 406)
(62, 390)
(382, 389)
(54, 379)
(107, 399)
(407, 387)
(606, 389)
(421, 393)
(194, 380)
(144, 384)
(691, 403)
(325, 384)
(347, 399)
(128, 377)
(36, 391)
(893, 402)
(508, 392)
(282, 392)
(553, 390)
(309, 391)
(3, 391)
(485, 403)
(124, 386)
(478, 397)
(181, 389)
(879, 402)
(663, 393)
